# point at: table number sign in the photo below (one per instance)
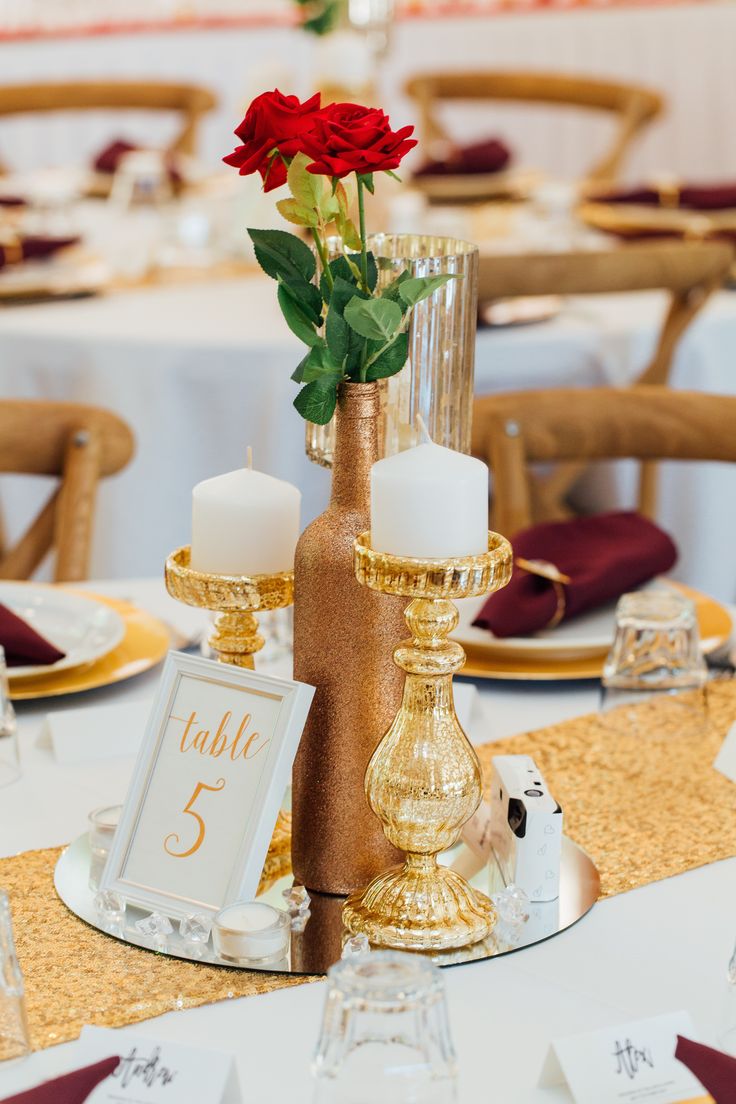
(153, 1071)
(207, 786)
(633, 1063)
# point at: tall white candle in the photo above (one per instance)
(429, 502)
(244, 523)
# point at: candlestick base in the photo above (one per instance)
(424, 780)
(235, 638)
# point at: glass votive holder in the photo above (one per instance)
(103, 824)
(385, 1033)
(14, 1035)
(249, 932)
(655, 665)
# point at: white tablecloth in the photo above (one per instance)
(685, 50)
(657, 949)
(202, 371)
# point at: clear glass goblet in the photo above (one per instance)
(654, 676)
(385, 1034)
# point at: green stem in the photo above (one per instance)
(323, 258)
(363, 244)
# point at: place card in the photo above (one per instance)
(632, 1063)
(91, 734)
(726, 758)
(207, 787)
(156, 1072)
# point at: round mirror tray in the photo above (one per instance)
(319, 943)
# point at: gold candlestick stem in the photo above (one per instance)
(235, 638)
(424, 779)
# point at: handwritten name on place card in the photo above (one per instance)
(155, 1072)
(631, 1063)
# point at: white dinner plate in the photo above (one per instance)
(82, 628)
(590, 634)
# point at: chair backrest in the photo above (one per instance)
(79, 444)
(189, 101)
(647, 423)
(690, 271)
(634, 105)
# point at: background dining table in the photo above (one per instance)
(657, 949)
(202, 370)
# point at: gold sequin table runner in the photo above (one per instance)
(644, 807)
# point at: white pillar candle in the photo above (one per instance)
(429, 502)
(251, 931)
(244, 523)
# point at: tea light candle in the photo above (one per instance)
(429, 502)
(251, 931)
(244, 523)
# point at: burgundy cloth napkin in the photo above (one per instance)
(710, 197)
(33, 248)
(489, 156)
(22, 644)
(108, 160)
(12, 201)
(715, 1071)
(72, 1088)
(604, 556)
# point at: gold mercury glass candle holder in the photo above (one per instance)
(235, 598)
(424, 779)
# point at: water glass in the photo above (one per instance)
(654, 659)
(14, 1035)
(385, 1034)
(9, 758)
(103, 824)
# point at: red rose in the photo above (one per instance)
(273, 122)
(347, 138)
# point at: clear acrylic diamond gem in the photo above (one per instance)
(155, 924)
(110, 906)
(356, 945)
(196, 928)
(297, 900)
(512, 904)
(299, 921)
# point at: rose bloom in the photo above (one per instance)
(347, 138)
(273, 122)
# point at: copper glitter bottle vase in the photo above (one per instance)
(344, 635)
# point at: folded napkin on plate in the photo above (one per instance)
(32, 248)
(108, 160)
(72, 1088)
(705, 197)
(602, 557)
(22, 644)
(715, 1071)
(489, 156)
(12, 201)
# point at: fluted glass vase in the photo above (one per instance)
(437, 380)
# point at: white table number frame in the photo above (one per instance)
(207, 787)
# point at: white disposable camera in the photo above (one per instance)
(526, 827)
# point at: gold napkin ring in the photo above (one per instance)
(546, 570)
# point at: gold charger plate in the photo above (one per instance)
(471, 187)
(145, 644)
(632, 219)
(714, 623)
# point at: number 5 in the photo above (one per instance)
(219, 785)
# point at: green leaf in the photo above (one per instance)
(305, 187)
(317, 364)
(316, 401)
(296, 319)
(293, 211)
(377, 319)
(298, 374)
(392, 174)
(393, 291)
(366, 179)
(349, 233)
(283, 255)
(307, 297)
(421, 287)
(391, 360)
(372, 272)
(337, 331)
(340, 269)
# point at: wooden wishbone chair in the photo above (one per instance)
(633, 105)
(647, 423)
(689, 271)
(80, 445)
(189, 101)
